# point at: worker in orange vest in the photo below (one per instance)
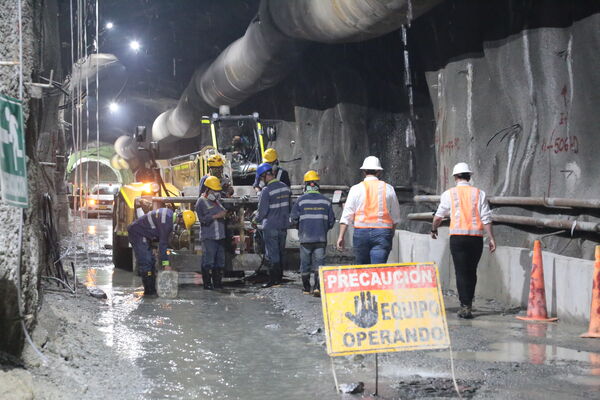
(470, 217)
(372, 207)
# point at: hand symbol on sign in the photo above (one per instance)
(366, 312)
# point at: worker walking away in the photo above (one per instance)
(314, 215)
(155, 225)
(216, 164)
(273, 213)
(372, 207)
(470, 217)
(211, 215)
(270, 156)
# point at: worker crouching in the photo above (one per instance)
(314, 215)
(155, 225)
(211, 215)
(273, 212)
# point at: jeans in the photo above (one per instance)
(143, 253)
(274, 244)
(466, 252)
(312, 256)
(372, 245)
(213, 255)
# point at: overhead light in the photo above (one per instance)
(135, 45)
(113, 107)
(109, 25)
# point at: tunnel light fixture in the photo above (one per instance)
(135, 45)
(109, 25)
(113, 107)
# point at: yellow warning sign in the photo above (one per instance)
(383, 307)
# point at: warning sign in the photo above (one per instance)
(383, 307)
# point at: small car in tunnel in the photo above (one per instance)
(101, 199)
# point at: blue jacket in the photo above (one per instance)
(210, 228)
(274, 206)
(156, 225)
(314, 215)
(282, 175)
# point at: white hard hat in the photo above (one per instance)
(461, 168)
(371, 163)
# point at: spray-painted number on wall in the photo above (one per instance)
(450, 145)
(562, 144)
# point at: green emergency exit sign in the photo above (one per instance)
(13, 172)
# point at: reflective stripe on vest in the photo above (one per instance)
(150, 220)
(373, 213)
(465, 218)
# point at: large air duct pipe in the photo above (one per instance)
(264, 55)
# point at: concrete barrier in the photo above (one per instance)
(504, 275)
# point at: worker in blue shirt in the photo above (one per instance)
(274, 212)
(211, 215)
(314, 215)
(270, 156)
(156, 225)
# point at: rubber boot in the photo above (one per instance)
(206, 279)
(273, 275)
(317, 288)
(149, 283)
(306, 283)
(217, 275)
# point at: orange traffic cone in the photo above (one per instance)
(536, 306)
(594, 330)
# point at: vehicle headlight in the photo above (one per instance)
(92, 202)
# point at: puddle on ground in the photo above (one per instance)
(526, 353)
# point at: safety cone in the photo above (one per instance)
(594, 330)
(536, 306)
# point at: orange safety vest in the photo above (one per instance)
(373, 213)
(465, 218)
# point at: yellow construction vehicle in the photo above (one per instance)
(241, 141)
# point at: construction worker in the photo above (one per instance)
(155, 225)
(470, 217)
(372, 206)
(215, 168)
(314, 215)
(273, 211)
(211, 215)
(270, 156)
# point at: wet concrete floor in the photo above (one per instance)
(236, 345)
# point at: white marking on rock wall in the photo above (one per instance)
(573, 177)
(511, 151)
(470, 109)
(533, 132)
(570, 73)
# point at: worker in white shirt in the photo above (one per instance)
(470, 217)
(372, 207)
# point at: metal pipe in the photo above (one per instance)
(530, 221)
(550, 202)
(270, 47)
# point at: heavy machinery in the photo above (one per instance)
(175, 183)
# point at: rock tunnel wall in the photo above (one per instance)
(514, 88)
(37, 55)
(508, 86)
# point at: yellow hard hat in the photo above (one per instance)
(311, 176)
(189, 217)
(270, 155)
(216, 160)
(213, 183)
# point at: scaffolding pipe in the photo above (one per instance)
(549, 202)
(571, 225)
